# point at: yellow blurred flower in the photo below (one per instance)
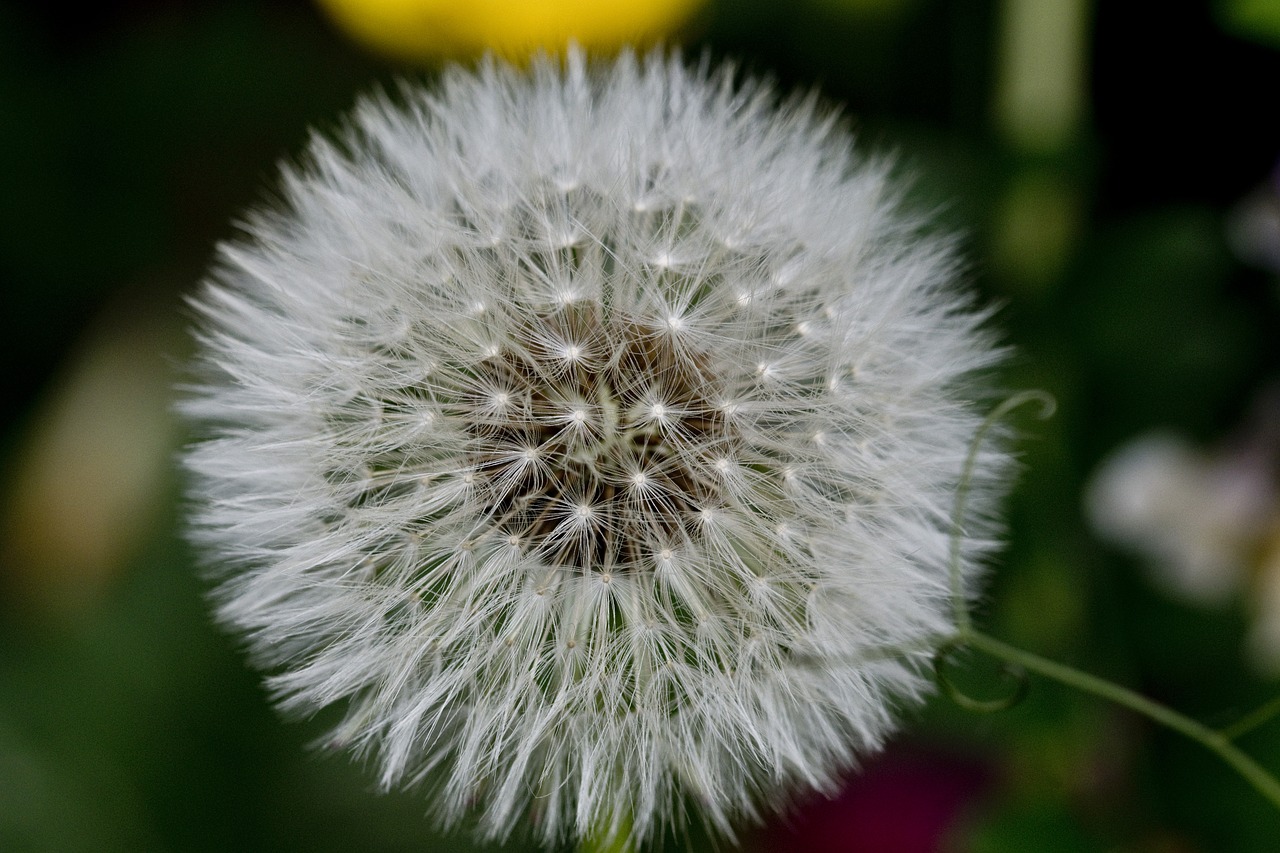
(422, 29)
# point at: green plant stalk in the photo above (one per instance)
(1217, 742)
(606, 841)
(606, 845)
(1252, 720)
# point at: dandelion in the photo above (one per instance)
(590, 435)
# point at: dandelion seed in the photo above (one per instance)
(555, 446)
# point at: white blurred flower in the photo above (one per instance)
(592, 435)
(1253, 225)
(1207, 523)
(1189, 514)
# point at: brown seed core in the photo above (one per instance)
(591, 451)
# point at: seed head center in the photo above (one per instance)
(627, 453)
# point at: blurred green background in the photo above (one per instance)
(1112, 174)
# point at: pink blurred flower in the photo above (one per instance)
(904, 802)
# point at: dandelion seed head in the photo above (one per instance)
(589, 436)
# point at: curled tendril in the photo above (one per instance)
(1048, 405)
(1007, 672)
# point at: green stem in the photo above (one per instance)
(601, 845)
(1217, 742)
(609, 838)
(1251, 720)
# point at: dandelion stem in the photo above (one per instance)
(606, 845)
(1217, 742)
(617, 839)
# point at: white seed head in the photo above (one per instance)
(572, 534)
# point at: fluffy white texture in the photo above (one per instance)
(591, 433)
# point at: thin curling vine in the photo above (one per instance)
(1017, 663)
